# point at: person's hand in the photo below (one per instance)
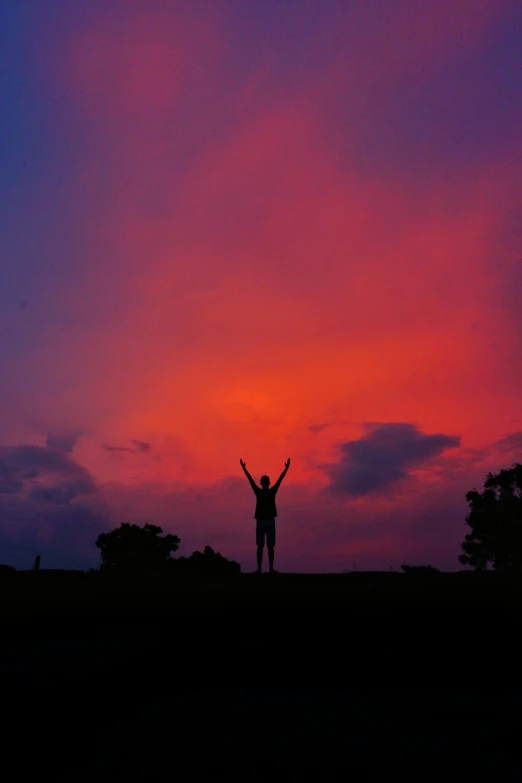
(287, 463)
(243, 464)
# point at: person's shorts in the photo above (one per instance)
(265, 528)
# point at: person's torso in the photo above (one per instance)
(265, 504)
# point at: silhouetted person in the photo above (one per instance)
(265, 514)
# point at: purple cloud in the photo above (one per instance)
(140, 447)
(49, 503)
(62, 441)
(383, 456)
(510, 442)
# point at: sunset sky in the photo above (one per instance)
(258, 229)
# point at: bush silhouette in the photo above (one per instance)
(423, 570)
(206, 563)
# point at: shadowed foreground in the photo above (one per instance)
(361, 674)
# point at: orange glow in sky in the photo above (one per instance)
(267, 248)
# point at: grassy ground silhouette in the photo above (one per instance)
(324, 674)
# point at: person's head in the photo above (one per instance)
(265, 482)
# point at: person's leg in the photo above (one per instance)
(270, 544)
(260, 541)
(259, 557)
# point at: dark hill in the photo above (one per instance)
(338, 674)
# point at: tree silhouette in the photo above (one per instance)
(495, 520)
(136, 549)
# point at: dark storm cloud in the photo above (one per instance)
(28, 462)
(37, 473)
(382, 456)
(9, 485)
(61, 494)
(140, 447)
(49, 501)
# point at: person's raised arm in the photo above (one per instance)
(281, 477)
(249, 477)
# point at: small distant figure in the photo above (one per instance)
(265, 514)
(36, 564)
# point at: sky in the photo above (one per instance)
(258, 229)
